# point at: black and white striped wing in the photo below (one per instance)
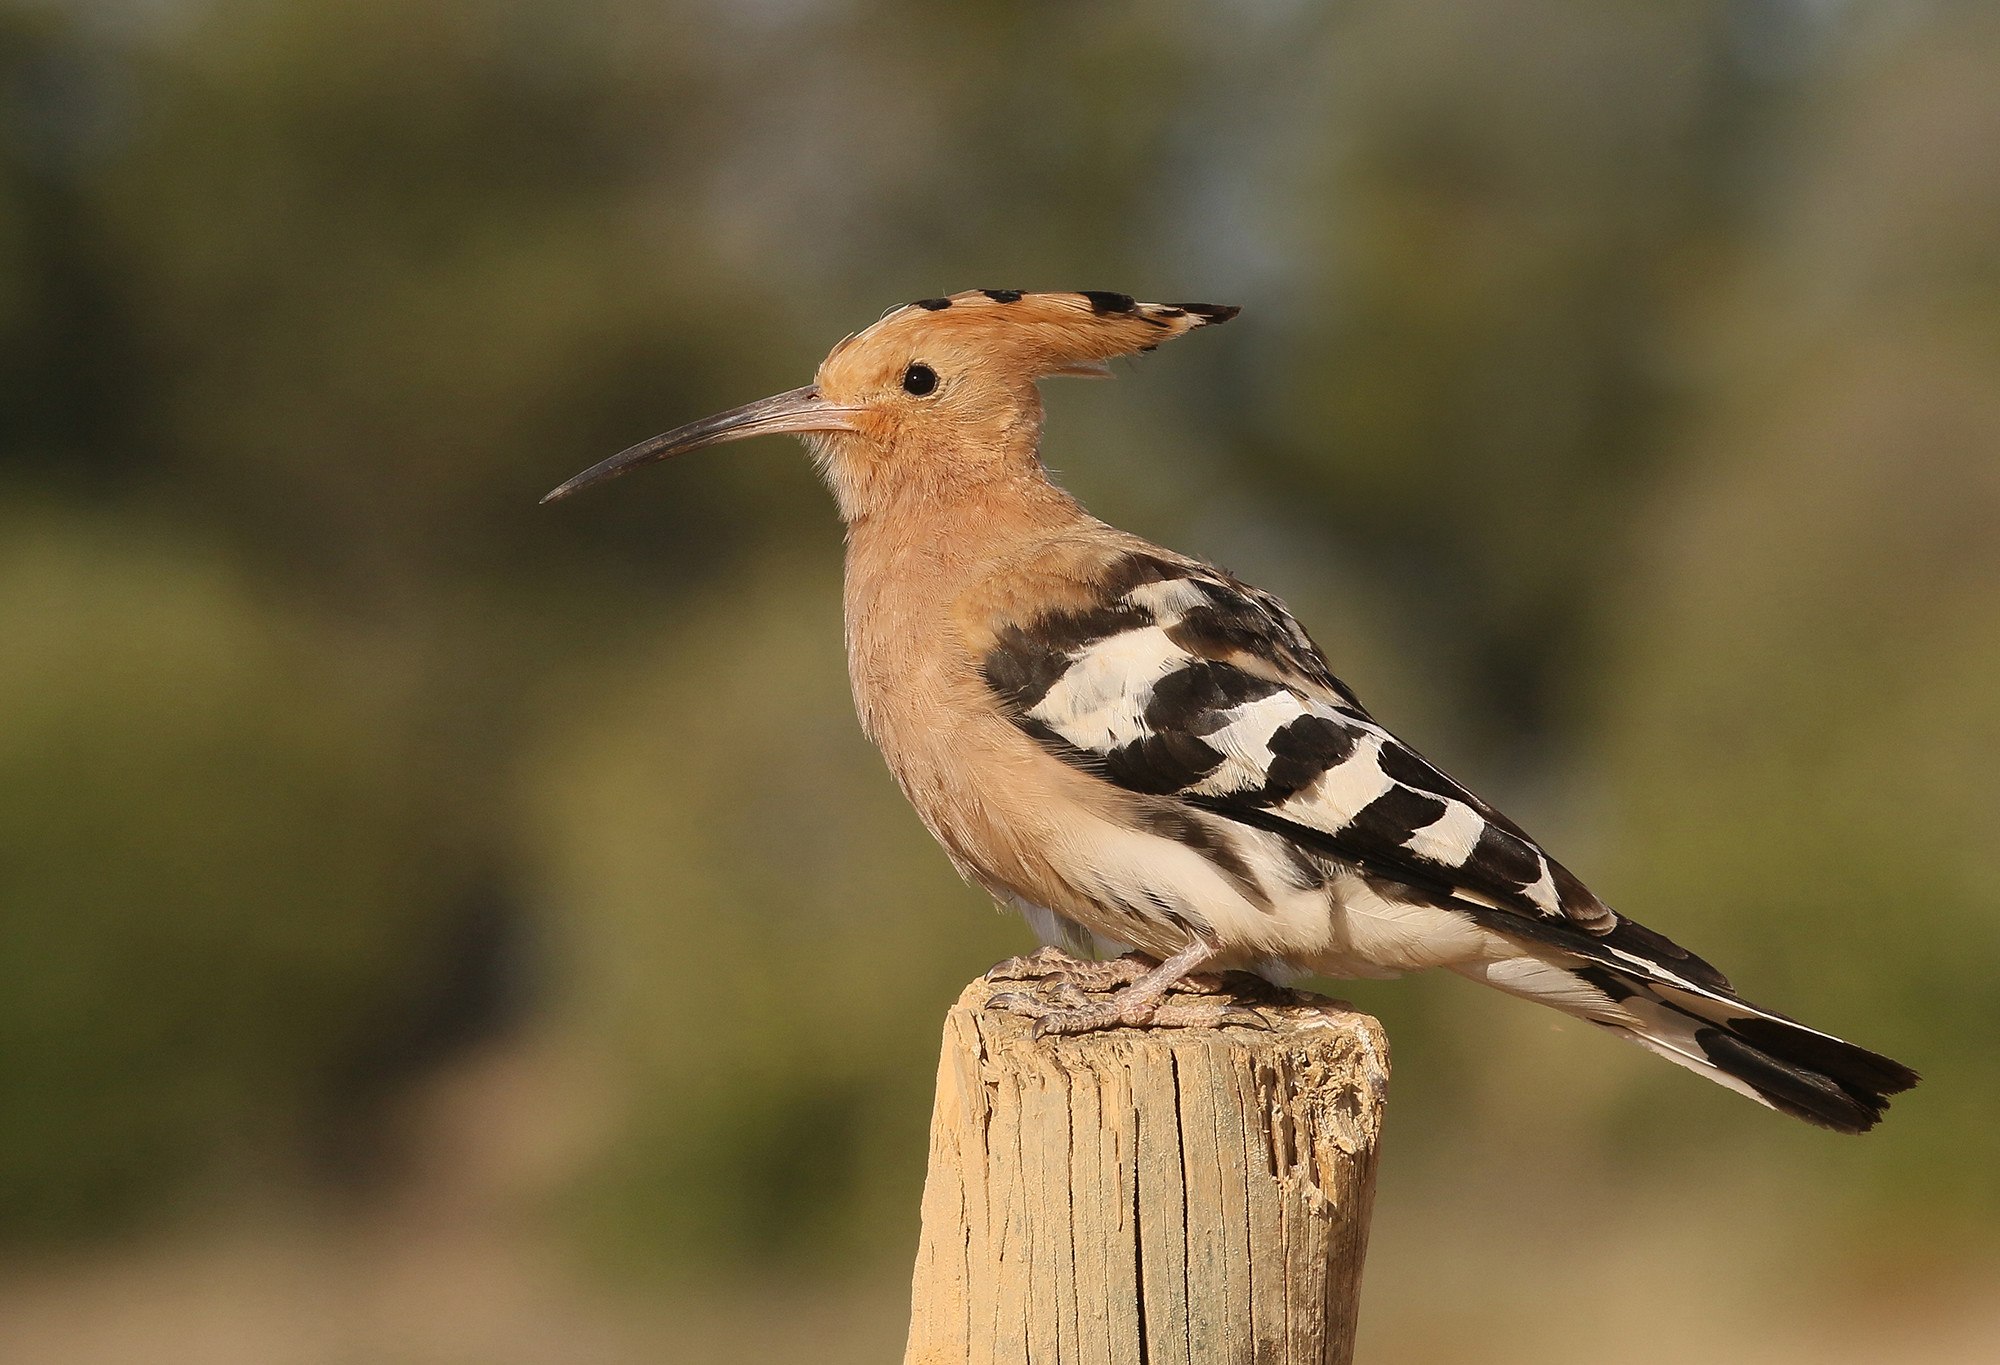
(1189, 685)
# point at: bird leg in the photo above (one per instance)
(1059, 1004)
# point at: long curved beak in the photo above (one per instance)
(800, 410)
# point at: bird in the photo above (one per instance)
(1146, 756)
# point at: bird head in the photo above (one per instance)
(938, 393)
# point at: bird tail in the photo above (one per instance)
(1643, 986)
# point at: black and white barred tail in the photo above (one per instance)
(1641, 986)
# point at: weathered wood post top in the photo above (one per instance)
(1188, 1195)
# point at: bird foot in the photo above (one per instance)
(1031, 966)
(1053, 967)
(1064, 1011)
(1059, 998)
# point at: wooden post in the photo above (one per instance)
(1195, 1196)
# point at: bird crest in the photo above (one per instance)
(1036, 334)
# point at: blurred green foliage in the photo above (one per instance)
(209, 852)
(1616, 399)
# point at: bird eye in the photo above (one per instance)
(919, 379)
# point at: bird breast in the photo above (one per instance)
(918, 613)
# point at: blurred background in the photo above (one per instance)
(436, 928)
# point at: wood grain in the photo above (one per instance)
(1166, 1196)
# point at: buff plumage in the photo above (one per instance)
(1139, 752)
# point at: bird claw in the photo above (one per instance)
(1014, 1002)
(1089, 1018)
(1110, 1014)
(1254, 989)
(1208, 1014)
(1058, 1009)
(1242, 1016)
(1063, 1023)
(1053, 964)
(1057, 995)
(1043, 962)
(1053, 997)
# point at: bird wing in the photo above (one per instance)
(1172, 680)
(1181, 682)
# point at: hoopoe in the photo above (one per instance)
(1143, 754)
